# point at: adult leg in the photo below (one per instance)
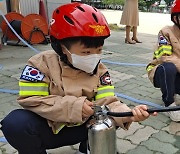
(135, 35)
(29, 133)
(164, 79)
(128, 39)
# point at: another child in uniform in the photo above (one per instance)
(164, 69)
(58, 89)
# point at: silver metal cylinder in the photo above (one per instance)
(102, 136)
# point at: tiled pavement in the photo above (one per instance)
(156, 135)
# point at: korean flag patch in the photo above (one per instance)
(162, 40)
(105, 79)
(31, 74)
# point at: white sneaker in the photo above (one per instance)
(174, 115)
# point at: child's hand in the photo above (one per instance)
(87, 110)
(140, 113)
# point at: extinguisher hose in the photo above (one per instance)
(150, 110)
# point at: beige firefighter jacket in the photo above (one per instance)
(68, 89)
(171, 36)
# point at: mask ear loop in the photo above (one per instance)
(67, 61)
(63, 46)
(58, 49)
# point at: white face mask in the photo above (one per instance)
(86, 63)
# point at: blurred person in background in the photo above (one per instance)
(130, 18)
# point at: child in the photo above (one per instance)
(58, 89)
(164, 70)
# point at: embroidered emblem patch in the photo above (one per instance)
(162, 40)
(105, 79)
(31, 74)
(98, 29)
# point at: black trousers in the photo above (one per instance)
(167, 78)
(29, 133)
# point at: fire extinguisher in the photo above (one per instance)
(101, 132)
(102, 129)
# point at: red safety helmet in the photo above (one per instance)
(175, 8)
(78, 20)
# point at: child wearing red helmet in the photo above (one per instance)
(164, 69)
(58, 89)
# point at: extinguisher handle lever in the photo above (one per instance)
(150, 110)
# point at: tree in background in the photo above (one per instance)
(144, 5)
(148, 3)
(169, 2)
(113, 2)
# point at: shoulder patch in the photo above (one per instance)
(31, 74)
(105, 79)
(162, 40)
